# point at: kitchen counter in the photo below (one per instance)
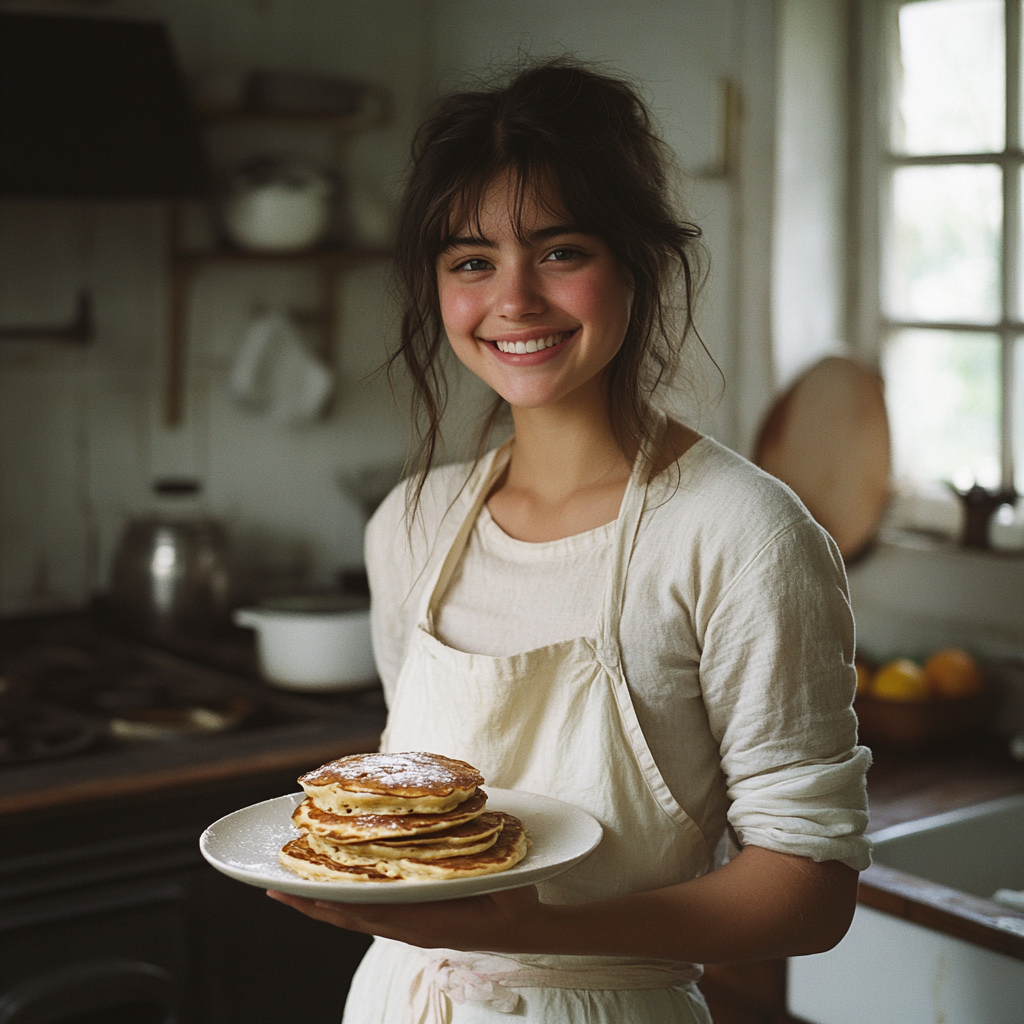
(346, 727)
(101, 875)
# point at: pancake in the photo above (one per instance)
(297, 856)
(362, 828)
(459, 835)
(511, 847)
(473, 839)
(414, 782)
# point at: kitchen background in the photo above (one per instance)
(757, 98)
(83, 431)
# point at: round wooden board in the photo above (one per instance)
(827, 437)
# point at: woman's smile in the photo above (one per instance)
(536, 312)
(523, 346)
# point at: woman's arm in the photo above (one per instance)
(762, 904)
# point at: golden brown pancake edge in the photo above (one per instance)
(408, 774)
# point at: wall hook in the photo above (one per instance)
(80, 331)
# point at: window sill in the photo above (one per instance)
(913, 593)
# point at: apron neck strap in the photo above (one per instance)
(489, 469)
(628, 521)
(630, 511)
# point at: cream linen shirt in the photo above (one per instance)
(736, 636)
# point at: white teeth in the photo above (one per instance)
(522, 347)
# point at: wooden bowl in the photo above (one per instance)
(925, 723)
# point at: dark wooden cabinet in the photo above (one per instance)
(108, 913)
(752, 993)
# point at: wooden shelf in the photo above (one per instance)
(328, 261)
(334, 257)
(350, 124)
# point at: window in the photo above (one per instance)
(946, 304)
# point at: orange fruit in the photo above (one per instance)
(865, 676)
(901, 680)
(953, 673)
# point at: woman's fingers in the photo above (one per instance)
(338, 914)
(477, 922)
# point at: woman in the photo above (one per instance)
(609, 608)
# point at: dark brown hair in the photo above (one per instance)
(588, 135)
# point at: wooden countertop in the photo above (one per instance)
(292, 731)
(172, 765)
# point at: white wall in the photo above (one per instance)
(809, 251)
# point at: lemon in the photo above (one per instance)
(901, 680)
(953, 673)
(864, 676)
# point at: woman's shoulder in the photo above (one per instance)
(717, 496)
(416, 525)
(710, 470)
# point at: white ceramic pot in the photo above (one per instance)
(278, 209)
(312, 643)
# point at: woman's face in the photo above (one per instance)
(538, 320)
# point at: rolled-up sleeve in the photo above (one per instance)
(778, 680)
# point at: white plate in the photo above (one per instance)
(244, 845)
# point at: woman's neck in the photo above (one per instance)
(566, 475)
(567, 472)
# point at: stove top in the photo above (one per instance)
(76, 690)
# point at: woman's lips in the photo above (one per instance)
(540, 348)
(533, 345)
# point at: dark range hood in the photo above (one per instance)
(95, 108)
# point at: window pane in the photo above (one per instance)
(943, 255)
(1017, 414)
(1017, 288)
(942, 395)
(949, 92)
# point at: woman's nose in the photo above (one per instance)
(519, 293)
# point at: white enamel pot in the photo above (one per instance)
(278, 207)
(319, 642)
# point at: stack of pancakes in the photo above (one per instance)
(381, 817)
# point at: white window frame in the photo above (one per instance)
(872, 159)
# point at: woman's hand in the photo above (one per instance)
(759, 906)
(476, 922)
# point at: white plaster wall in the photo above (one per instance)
(809, 253)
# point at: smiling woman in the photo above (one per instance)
(584, 160)
(609, 609)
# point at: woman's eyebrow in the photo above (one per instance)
(471, 241)
(540, 235)
(554, 231)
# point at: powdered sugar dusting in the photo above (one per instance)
(407, 773)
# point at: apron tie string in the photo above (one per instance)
(491, 980)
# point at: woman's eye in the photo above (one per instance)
(474, 264)
(560, 255)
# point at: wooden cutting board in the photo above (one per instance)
(827, 437)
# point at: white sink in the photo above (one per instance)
(978, 849)
(891, 969)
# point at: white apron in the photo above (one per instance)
(558, 721)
